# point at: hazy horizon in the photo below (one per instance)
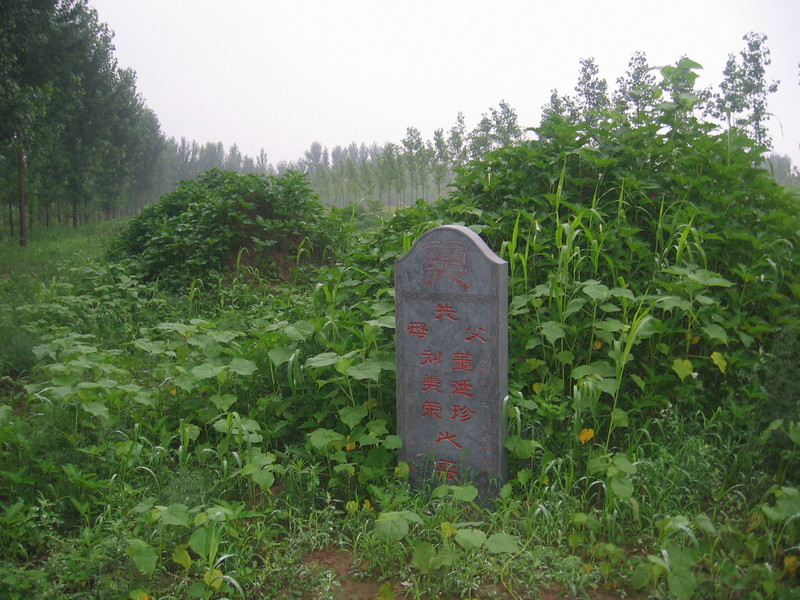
(280, 76)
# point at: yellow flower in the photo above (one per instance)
(447, 529)
(350, 446)
(790, 563)
(597, 344)
(586, 435)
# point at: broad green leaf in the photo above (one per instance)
(619, 418)
(264, 478)
(320, 438)
(144, 506)
(502, 542)
(506, 491)
(566, 357)
(213, 578)
(671, 302)
(242, 366)
(552, 331)
(619, 292)
(104, 383)
(98, 409)
(597, 464)
(609, 325)
(200, 590)
(574, 306)
(793, 430)
(322, 360)
(279, 356)
(576, 539)
(465, 493)
(402, 470)
(423, 554)
(469, 538)
(596, 368)
(716, 332)
(224, 402)
(680, 556)
(624, 464)
(207, 371)
(386, 321)
(720, 361)
(150, 346)
(621, 486)
(391, 527)
(367, 369)
(789, 501)
(681, 583)
(609, 385)
(204, 541)
(644, 575)
(392, 442)
(411, 517)
(176, 514)
(596, 290)
(682, 367)
(521, 448)
(144, 557)
(440, 491)
(299, 331)
(352, 415)
(445, 557)
(182, 557)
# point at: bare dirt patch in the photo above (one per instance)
(337, 566)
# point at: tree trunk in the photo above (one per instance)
(23, 225)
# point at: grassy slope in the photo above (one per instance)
(111, 494)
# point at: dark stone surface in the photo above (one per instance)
(452, 359)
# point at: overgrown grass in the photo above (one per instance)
(207, 440)
(189, 447)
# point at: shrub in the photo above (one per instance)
(213, 223)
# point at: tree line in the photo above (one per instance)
(77, 141)
(76, 138)
(400, 173)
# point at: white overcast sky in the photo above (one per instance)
(281, 74)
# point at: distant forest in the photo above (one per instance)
(78, 142)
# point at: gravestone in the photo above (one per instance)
(452, 359)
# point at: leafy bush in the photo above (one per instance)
(221, 220)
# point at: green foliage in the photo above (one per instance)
(216, 223)
(209, 441)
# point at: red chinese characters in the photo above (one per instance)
(445, 310)
(446, 261)
(461, 413)
(442, 377)
(431, 382)
(418, 329)
(448, 437)
(446, 469)
(429, 357)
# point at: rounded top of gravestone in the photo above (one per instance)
(448, 233)
(449, 259)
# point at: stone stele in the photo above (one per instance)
(452, 359)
